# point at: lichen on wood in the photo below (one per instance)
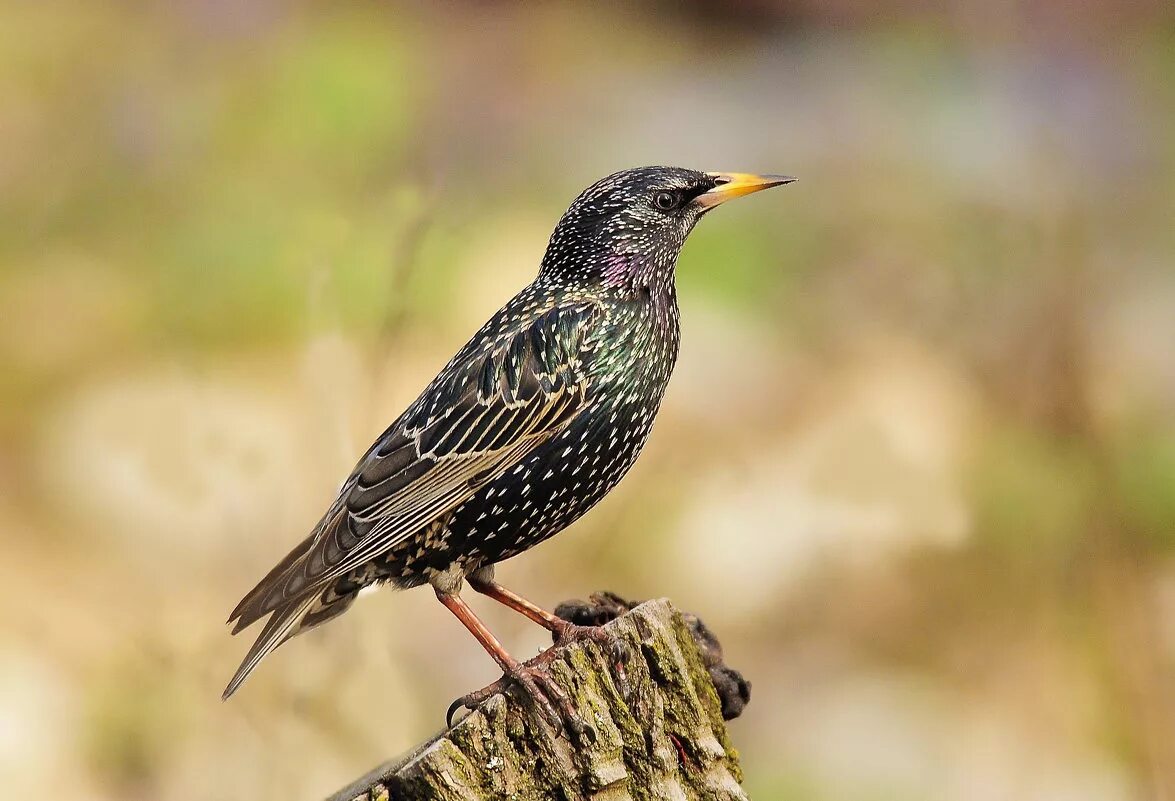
(657, 735)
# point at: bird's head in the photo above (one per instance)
(627, 229)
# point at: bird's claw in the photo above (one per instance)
(614, 647)
(538, 687)
(534, 681)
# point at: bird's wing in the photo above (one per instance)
(487, 409)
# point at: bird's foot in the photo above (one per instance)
(567, 633)
(532, 680)
(613, 646)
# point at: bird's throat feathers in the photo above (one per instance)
(648, 284)
(585, 262)
(643, 274)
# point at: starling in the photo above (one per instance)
(533, 421)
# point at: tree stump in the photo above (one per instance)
(658, 732)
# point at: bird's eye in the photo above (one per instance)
(665, 201)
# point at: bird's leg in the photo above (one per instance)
(535, 680)
(455, 604)
(564, 630)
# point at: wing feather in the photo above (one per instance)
(486, 410)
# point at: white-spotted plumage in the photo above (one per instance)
(529, 425)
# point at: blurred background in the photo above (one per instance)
(916, 467)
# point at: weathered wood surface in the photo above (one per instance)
(659, 734)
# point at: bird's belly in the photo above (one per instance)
(550, 489)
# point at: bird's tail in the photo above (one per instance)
(285, 622)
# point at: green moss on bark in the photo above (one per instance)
(658, 735)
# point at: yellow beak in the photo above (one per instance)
(737, 184)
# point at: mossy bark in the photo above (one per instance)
(658, 734)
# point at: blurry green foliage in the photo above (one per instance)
(1145, 476)
(1034, 491)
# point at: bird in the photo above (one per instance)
(533, 421)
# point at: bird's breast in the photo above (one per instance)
(637, 347)
(628, 365)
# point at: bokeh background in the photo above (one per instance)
(916, 467)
